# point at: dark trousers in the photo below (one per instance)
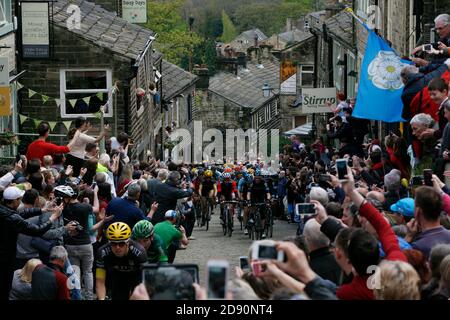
(189, 223)
(75, 162)
(6, 276)
(172, 251)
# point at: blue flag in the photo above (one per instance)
(380, 85)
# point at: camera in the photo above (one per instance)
(305, 209)
(266, 251)
(427, 48)
(341, 168)
(58, 201)
(427, 176)
(217, 278)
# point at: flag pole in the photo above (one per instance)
(352, 13)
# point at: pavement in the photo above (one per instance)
(212, 244)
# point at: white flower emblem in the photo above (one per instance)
(384, 71)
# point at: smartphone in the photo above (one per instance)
(427, 47)
(217, 276)
(427, 176)
(243, 263)
(170, 282)
(305, 209)
(266, 251)
(341, 168)
(417, 181)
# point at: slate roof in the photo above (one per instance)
(246, 90)
(341, 26)
(175, 80)
(294, 36)
(250, 35)
(103, 28)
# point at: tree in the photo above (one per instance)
(229, 30)
(174, 39)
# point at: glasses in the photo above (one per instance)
(118, 244)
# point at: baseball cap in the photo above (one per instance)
(12, 193)
(404, 206)
(171, 214)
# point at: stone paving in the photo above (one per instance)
(212, 244)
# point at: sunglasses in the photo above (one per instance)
(118, 244)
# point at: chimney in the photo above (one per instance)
(256, 40)
(203, 73)
(288, 24)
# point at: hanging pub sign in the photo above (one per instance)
(134, 11)
(35, 29)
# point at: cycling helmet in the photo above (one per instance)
(228, 170)
(226, 175)
(64, 192)
(208, 173)
(118, 232)
(143, 229)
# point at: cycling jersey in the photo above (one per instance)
(258, 192)
(207, 186)
(156, 251)
(123, 273)
(227, 188)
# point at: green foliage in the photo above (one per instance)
(174, 39)
(229, 30)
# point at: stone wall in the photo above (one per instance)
(71, 51)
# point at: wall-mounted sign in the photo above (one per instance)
(4, 72)
(35, 30)
(134, 11)
(10, 53)
(315, 100)
(5, 101)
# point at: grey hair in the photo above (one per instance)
(104, 159)
(242, 290)
(174, 177)
(315, 239)
(133, 190)
(422, 119)
(143, 184)
(407, 71)
(58, 252)
(162, 174)
(100, 177)
(445, 18)
(319, 194)
(437, 254)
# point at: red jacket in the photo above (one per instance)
(358, 289)
(39, 148)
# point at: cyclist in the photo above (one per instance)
(119, 263)
(144, 234)
(229, 191)
(259, 193)
(243, 188)
(208, 192)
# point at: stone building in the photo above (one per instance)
(85, 65)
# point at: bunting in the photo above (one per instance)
(36, 122)
(31, 93)
(45, 98)
(67, 124)
(22, 118)
(52, 124)
(73, 102)
(87, 100)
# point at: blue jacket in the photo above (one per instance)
(282, 187)
(124, 210)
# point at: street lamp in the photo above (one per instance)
(267, 90)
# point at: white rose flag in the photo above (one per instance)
(380, 85)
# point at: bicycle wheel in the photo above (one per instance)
(230, 224)
(207, 218)
(271, 226)
(224, 222)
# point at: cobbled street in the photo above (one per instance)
(212, 244)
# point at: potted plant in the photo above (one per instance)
(8, 138)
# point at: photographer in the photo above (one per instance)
(166, 195)
(170, 234)
(78, 242)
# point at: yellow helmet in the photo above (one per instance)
(118, 232)
(208, 173)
